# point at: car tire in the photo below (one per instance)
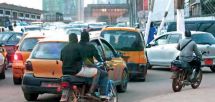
(212, 68)
(17, 81)
(2, 74)
(124, 82)
(31, 96)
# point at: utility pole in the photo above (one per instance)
(164, 17)
(180, 16)
(151, 6)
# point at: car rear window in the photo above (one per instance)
(204, 38)
(48, 50)
(123, 40)
(28, 44)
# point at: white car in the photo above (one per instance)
(162, 50)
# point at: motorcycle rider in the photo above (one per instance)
(88, 53)
(187, 47)
(72, 57)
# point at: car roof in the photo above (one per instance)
(10, 32)
(36, 34)
(63, 38)
(192, 32)
(121, 28)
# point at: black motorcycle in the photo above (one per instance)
(185, 75)
(74, 89)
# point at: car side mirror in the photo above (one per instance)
(119, 54)
(151, 44)
(16, 47)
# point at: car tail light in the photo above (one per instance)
(64, 85)
(17, 57)
(28, 66)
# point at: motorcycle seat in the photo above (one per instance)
(75, 79)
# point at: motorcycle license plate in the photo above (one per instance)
(50, 85)
(209, 61)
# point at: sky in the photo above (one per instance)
(37, 4)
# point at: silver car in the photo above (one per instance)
(162, 50)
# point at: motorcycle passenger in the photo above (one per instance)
(88, 53)
(187, 47)
(73, 63)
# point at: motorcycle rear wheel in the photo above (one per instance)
(198, 80)
(176, 84)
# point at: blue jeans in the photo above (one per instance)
(103, 82)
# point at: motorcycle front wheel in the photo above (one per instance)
(113, 93)
(177, 84)
(197, 80)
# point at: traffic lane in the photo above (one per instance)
(160, 84)
(157, 84)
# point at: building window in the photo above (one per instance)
(7, 12)
(33, 16)
(1, 12)
(27, 15)
(21, 15)
(38, 17)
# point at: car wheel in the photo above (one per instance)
(124, 82)
(31, 96)
(17, 81)
(212, 68)
(2, 74)
(144, 74)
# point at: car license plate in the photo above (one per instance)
(50, 84)
(209, 61)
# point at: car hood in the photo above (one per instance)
(208, 49)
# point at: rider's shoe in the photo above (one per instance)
(103, 97)
(91, 94)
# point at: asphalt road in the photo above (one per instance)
(156, 88)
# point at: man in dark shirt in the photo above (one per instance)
(88, 53)
(71, 57)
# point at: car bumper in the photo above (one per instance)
(136, 70)
(32, 84)
(18, 69)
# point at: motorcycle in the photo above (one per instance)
(183, 77)
(74, 89)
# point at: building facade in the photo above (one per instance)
(109, 1)
(94, 12)
(15, 13)
(63, 10)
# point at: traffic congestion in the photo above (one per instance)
(57, 57)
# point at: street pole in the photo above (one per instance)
(151, 6)
(164, 18)
(180, 16)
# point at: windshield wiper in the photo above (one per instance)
(205, 43)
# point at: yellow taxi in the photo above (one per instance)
(24, 49)
(130, 42)
(44, 68)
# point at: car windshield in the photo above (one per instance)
(5, 36)
(123, 40)
(48, 50)
(204, 38)
(28, 44)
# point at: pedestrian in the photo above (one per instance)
(152, 33)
